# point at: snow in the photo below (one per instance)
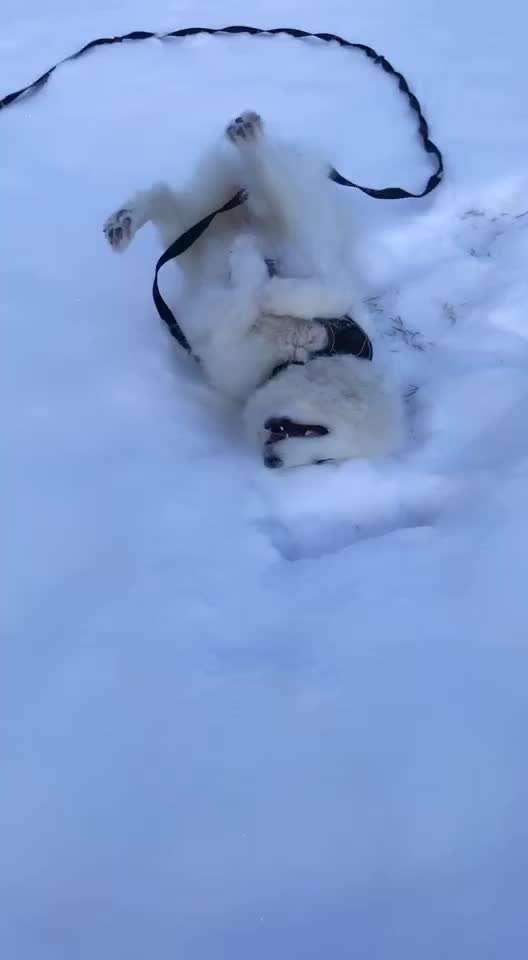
(246, 713)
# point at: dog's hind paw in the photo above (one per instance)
(245, 128)
(119, 229)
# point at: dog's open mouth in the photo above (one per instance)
(280, 428)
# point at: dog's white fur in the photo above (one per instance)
(242, 323)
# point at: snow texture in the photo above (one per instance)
(250, 715)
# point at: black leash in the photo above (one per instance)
(388, 193)
(180, 245)
(336, 328)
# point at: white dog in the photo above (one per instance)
(255, 334)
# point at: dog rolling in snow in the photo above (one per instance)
(256, 334)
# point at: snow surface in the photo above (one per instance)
(251, 714)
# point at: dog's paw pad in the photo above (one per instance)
(246, 128)
(118, 229)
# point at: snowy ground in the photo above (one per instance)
(253, 715)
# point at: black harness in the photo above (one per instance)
(345, 336)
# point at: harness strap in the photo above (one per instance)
(345, 336)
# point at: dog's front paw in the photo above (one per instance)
(246, 128)
(119, 229)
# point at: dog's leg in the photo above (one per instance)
(247, 267)
(290, 187)
(235, 305)
(290, 337)
(304, 298)
(263, 172)
(224, 318)
(294, 199)
(159, 204)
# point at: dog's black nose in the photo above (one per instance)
(272, 461)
